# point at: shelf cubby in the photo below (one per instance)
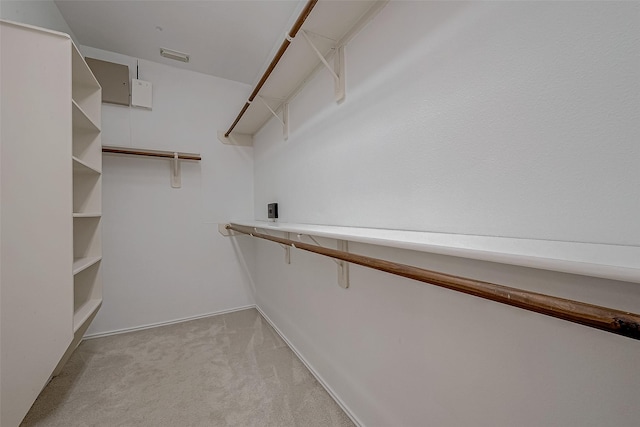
(86, 147)
(87, 294)
(87, 241)
(86, 191)
(86, 91)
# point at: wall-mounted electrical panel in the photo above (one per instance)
(114, 79)
(141, 94)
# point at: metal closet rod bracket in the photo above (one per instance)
(343, 266)
(176, 179)
(287, 248)
(285, 114)
(225, 230)
(287, 244)
(338, 69)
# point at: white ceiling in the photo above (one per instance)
(224, 38)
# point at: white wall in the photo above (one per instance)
(163, 258)
(497, 118)
(513, 119)
(41, 13)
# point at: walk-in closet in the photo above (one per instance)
(373, 213)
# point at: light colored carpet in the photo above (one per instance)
(227, 370)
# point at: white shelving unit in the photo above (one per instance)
(51, 163)
(87, 198)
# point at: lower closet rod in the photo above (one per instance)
(607, 319)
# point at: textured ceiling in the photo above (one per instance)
(229, 39)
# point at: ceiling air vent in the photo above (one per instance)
(172, 54)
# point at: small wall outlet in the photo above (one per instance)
(272, 210)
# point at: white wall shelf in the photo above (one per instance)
(81, 167)
(81, 264)
(87, 215)
(81, 120)
(87, 294)
(329, 27)
(615, 262)
(84, 312)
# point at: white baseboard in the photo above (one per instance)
(170, 322)
(315, 373)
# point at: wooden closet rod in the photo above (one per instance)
(606, 319)
(150, 153)
(283, 47)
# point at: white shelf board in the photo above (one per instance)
(87, 215)
(82, 75)
(81, 120)
(85, 312)
(329, 20)
(81, 167)
(615, 262)
(80, 264)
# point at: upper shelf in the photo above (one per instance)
(82, 75)
(86, 91)
(329, 25)
(615, 262)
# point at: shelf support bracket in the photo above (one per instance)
(176, 181)
(338, 69)
(287, 249)
(343, 266)
(285, 116)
